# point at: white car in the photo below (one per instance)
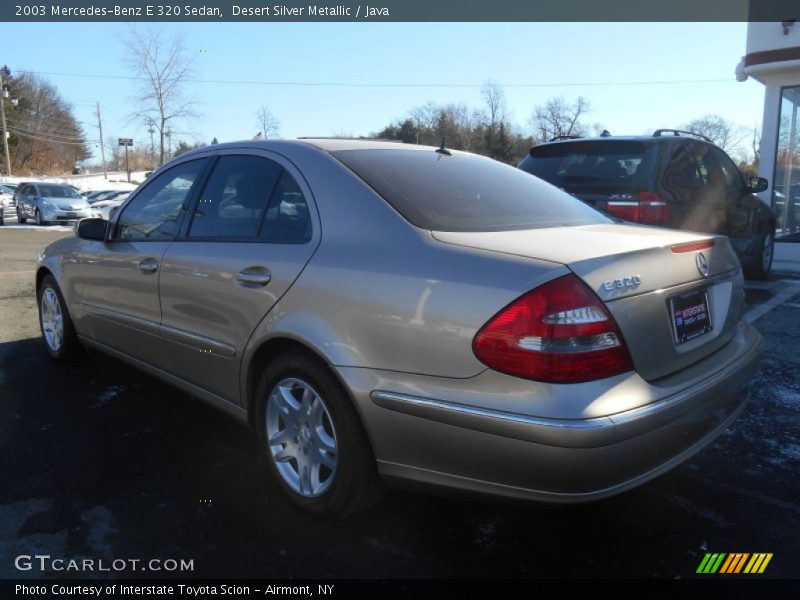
(103, 208)
(6, 196)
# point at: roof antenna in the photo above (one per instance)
(442, 150)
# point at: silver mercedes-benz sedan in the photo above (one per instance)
(381, 312)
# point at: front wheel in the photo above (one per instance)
(20, 217)
(58, 333)
(763, 262)
(38, 217)
(313, 438)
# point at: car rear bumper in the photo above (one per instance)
(560, 460)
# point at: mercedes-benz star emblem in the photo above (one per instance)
(702, 264)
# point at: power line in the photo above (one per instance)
(51, 133)
(391, 85)
(43, 139)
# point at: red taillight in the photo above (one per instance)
(652, 208)
(560, 332)
(647, 207)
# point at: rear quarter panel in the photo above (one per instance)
(382, 294)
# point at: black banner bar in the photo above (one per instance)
(384, 589)
(397, 10)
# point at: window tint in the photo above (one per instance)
(464, 192)
(684, 175)
(49, 190)
(607, 164)
(154, 214)
(287, 220)
(235, 197)
(730, 172)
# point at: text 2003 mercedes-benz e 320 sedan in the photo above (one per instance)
(383, 312)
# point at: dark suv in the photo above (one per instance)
(671, 179)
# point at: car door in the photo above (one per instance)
(26, 200)
(115, 282)
(252, 230)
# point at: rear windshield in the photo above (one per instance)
(465, 192)
(611, 164)
(56, 191)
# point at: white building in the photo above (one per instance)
(773, 58)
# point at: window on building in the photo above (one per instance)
(786, 186)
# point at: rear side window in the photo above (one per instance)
(235, 197)
(464, 192)
(250, 198)
(611, 164)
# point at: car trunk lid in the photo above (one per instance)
(644, 275)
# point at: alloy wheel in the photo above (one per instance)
(301, 437)
(52, 320)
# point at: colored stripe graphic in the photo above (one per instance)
(723, 563)
(734, 563)
(758, 563)
(711, 562)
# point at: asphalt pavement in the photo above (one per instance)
(100, 460)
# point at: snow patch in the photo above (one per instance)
(108, 394)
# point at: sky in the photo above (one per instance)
(437, 62)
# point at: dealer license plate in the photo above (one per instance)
(691, 317)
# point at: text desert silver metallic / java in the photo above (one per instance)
(382, 312)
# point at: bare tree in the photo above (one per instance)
(494, 98)
(558, 117)
(269, 126)
(756, 145)
(722, 132)
(164, 67)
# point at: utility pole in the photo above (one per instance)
(3, 96)
(102, 146)
(168, 134)
(151, 130)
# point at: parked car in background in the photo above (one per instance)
(6, 195)
(50, 203)
(460, 323)
(671, 179)
(104, 208)
(91, 195)
(108, 195)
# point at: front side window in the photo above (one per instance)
(155, 212)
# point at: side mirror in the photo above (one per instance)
(114, 210)
(757, 184)
(92, 229)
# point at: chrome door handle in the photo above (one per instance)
(253, 278)
(148, 265)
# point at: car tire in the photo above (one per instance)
(55, 323)
(353, 484)
(763, 263)
(21, 219)
(38, 217)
